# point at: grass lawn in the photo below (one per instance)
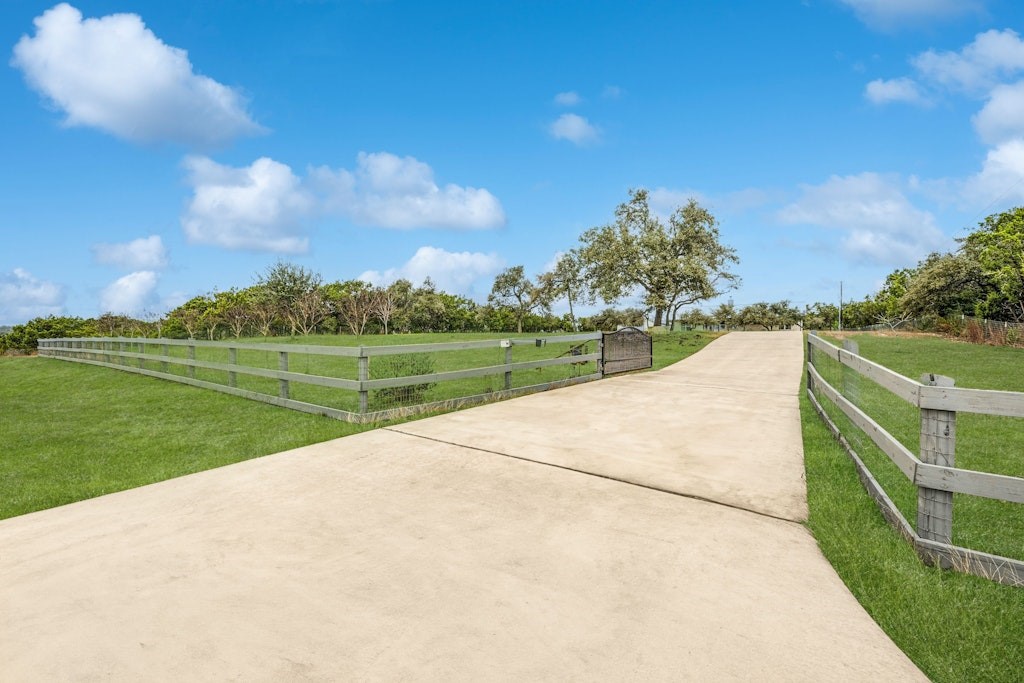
(983, 442)
(71, 431)
(382, 367)
(955, 627)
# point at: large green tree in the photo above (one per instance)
(286, 284)
(568, 280)
(670, 266)
(946, 285)
(998, 247)
(352, 302)
(234, 309)
(890, 298)
(512, 289)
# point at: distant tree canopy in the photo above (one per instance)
(665, 264)
(984, 277)
(997, 248)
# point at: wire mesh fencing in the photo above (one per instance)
(364, 383)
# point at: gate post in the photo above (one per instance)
(938, 447)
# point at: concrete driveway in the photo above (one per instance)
(642, 527)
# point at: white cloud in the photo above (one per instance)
(1002, 117)
(263, 206)
(400, 192)
(1000, 181)
(574, 128)
(880, 223)
(461, 272)
(23, 297)
(881, 91)
(145, 253)
(890, 14)
(552, 262)
(259, 207)
(568, 99)
(114, 74)
(989, 58)
(611, 92)
(129, 295)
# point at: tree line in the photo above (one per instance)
(666, 264)
(982, 277)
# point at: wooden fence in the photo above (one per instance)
(933, 470)
(153, 357)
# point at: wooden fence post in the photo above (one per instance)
(164, 352)
(282, 365)
(364, 375)
(142, 351)
(233, 360)
(192, 356)
(938, 447)
(508, 361)
(810, 364)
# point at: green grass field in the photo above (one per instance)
(71, 431)
(955, 627)
(381, 367)
(983, 442)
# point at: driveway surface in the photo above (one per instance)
(645, 527)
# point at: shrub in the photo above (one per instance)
(951, 327)
(25, 337)
(974, 333)
(1013, 336)
(996, 334)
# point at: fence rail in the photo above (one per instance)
(401, 391)
(933, 471)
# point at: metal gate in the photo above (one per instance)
(625, 350)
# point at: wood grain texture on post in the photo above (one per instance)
(938, 447)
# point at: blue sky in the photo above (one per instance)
(153, 151)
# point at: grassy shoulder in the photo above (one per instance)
(73, 431)
(983, 442)
(954, 627)
(672, 347)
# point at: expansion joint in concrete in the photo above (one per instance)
(649, 487)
